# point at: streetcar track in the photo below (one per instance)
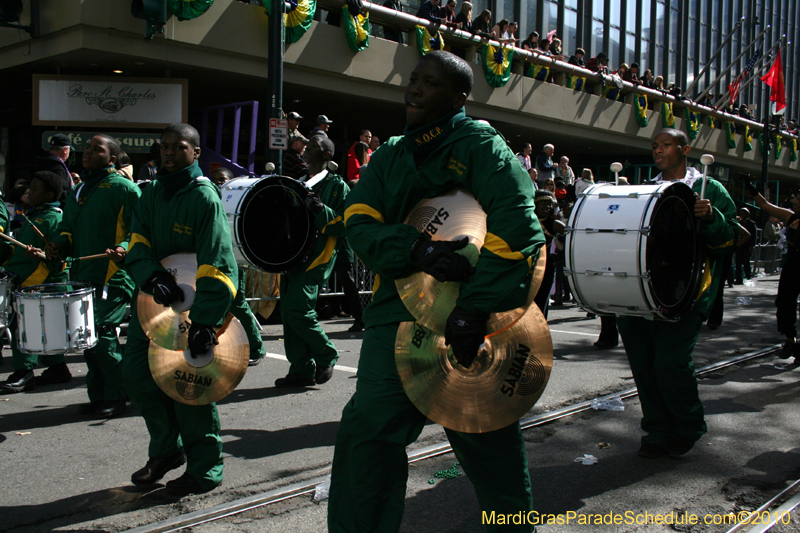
(249, 503)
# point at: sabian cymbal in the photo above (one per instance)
(168, 327)
(205, 379)
(503, 383)
(449, 217)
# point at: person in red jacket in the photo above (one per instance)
(353, 161)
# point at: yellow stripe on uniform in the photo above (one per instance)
(334, 221)
(325, 257)
(135, 237)
(209, 271)
(362, 209)
(122, 230)
(725, 245)
(376, 284)
(38, 276)
(500, 248)
(69, 236)
(707, 278)
(112, 269)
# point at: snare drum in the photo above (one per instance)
(55, 318)
(270, 226)
(634, 250)
(6, 288)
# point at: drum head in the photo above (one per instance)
(674, 251)
(276, 230)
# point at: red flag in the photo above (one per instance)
(774, 78)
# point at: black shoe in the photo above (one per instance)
(111, 408)
(603, 345)
(19, 381)
(788, 349)
(591, 315)
(293, 380)
(323, 374)
(679, 445)
(651, 451)
(357, 326)
(156, 467)
(254, 362)
(186, 484)
(89, 408)
(54, 374)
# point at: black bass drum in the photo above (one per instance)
(270, 226)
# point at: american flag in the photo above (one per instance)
(734, 87)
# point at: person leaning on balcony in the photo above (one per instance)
(556, 50)
(532, 42)
(482, 24)
(393, 34)
(464, 18)
(598, 63)
(648, 80)
(632, 75)
(431, 10)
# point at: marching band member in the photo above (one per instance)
(310, 352)
(97, 220)
(179, 213)
(440, 150)
(661, 352)
(44, 197)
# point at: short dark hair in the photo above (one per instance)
(326, 143)
(683, 139)
(455, 69)
(226, 171)
(51, 182)
(122, 160)
(187, 132)
(113, 146)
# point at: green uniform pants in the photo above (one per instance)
(660, 355)
(104, 376)
(172, 425)
(370, 464)
(241, 310)
(307, 345)
(29, 361)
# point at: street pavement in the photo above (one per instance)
(67, 472)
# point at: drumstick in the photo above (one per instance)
(86, 257)
(46, 242)
(706, 160)
(25, 246)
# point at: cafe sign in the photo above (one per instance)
(113, 102)
(132, 143)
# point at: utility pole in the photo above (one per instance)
(275, 75)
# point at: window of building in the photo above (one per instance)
(630, 49)
(528, 23)
(613, 52)
(597, 38)
(660, 23)
(549, 18)
(569, 42)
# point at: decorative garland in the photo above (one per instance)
(692, 123)
(537, 72)
(667, 118)
(611, 92)
(778, 146)
(730, 134)
(640, 103)
(748, 139)
(793, 150)
(297, 20)
(497, 64)
(576, 82)
(427, 42)
(188, 9)
(356, 29)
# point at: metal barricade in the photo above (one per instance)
(766, 257)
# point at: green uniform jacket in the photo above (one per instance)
(192, 221)
(98, 217)
(718, 236)
(3, 215)
(330, 223)
(32, 271)
(474, 157)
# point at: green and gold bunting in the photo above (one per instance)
(667, 118)
(748, 139)
(730, 134)
(710, 121)
(576, 82)
(640, 104)
(792, 149)
(497, 64)
(778, 146)
(692, 123)
(427, 42)
(188, 9)
(537, 72)
(298, 19)
(356, 29)
(611, 92)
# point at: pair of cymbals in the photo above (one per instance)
(194, 381)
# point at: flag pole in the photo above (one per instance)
(712, 84)
(722, 102)
(691, 86)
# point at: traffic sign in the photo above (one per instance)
(278, 134)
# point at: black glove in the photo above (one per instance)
(201, 339)
(465, 332)
(313, 202)
(164, 288)
(751, 189)
(440, 260)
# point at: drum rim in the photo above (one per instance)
(238, 221)
(26, 292)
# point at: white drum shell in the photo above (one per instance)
(53, 323)
(606, 249)
(6, 289)
(233, 192)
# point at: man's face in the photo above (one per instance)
(528, 150)
(549, 151)
(293, 124)
(579, 55)
(429, 94)
(176, 152)
(365, 137)
(544, 208)
(37, 194)
(324, 126)
(219, 178)
(564, 161)
(97, 155)
(744, 215)
(374, 143)
(667, 153)
(512, 29)
(299, 147)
